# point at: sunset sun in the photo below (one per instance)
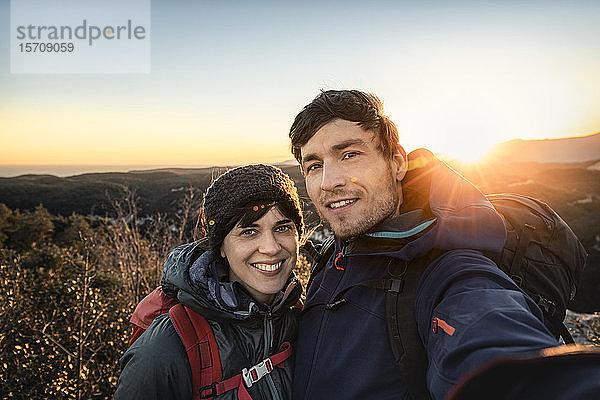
(469, 153)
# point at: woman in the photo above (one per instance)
(240, 279)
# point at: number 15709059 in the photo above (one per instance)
(43, 47)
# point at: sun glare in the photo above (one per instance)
(466, 149)
(470, 153)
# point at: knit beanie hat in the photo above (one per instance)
(248, 188)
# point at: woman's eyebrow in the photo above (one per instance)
(255, 225)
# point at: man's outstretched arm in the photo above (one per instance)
(470, 312)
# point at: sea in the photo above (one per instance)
(8, 171)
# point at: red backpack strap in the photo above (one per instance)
(203, 354)
(248, 377)
(151, 306)
(201, 348)
(137, 332)
(254, 374)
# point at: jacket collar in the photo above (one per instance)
(441, 209)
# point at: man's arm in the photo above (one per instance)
(470, 312)
(563, 372)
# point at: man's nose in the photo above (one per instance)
(332, 178)
(268, 244)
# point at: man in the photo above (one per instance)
(467, 311)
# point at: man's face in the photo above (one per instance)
(348, 179)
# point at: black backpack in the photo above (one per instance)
(541, 254)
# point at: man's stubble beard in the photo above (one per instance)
(382, 209)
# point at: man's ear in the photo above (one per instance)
(223, 253)
(400, 162)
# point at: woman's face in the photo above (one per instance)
(262, 255)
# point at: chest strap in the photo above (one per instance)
(248, 376)
(203, 355)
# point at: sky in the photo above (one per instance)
(226, 79)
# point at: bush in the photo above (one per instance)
(61, 331)
(70, 291)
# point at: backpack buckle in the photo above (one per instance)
(254, 374)
(548, 307)
(208, 391)
(518, 279)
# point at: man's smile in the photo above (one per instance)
(341, 203)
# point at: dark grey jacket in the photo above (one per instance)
(156, 365)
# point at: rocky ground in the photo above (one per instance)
(585, 328)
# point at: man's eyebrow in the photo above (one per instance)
(309, 157)
(348, 143)
(337, 147)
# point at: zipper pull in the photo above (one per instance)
(443, 325)
(335, 305)
(338, 260)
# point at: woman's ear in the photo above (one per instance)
(400, 163)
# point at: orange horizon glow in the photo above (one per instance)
(190, 158)
(120, 137)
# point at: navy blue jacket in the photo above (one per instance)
(345, 354)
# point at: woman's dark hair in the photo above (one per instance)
(246, 216)
(243, 195)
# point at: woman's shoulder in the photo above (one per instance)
(156, 365)
(160, 334)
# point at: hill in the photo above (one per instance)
(566, 150)
(158, 191)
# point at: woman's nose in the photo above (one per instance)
(269, 244)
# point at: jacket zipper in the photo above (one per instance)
(319, 340)
(268, 344)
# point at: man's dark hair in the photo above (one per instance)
(349, 105)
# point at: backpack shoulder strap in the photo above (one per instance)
(151, 306)
(403, 333)
(201, 347)
(320, 257)
(203, 354)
